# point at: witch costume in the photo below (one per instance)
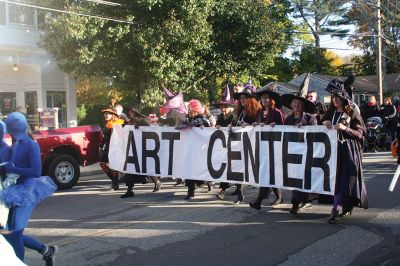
(196, 121)
(269, 116)
(350, 189)
(132, 179)
(243, 117)
(224, 121)
(31, 188)
(306, 118)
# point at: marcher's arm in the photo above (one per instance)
(36, 165)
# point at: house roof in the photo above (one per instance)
(362, 84)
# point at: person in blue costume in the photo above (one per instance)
(31, 188)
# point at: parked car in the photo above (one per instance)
(64, 150)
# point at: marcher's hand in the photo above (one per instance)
(245, 124)
(254, 124)
(229, 126)
(217, 126)
(272, 124)
(262, 124)
(201, 126)
(328, 124)
(298, 125)
(340, 127)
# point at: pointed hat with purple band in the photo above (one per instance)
(168, 95)
(226, 98)
(249, 90)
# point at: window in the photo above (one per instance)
(21, 15)
(7, 102)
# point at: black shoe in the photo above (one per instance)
(240, 198)
(346, 211)
(49, 257)
(255, 205)
(294, 209)
(334, 217)
(128, 194)
(189, 197)
(157, 186)
(221, 195)
(277, 201)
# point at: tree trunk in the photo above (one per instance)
(317, 45)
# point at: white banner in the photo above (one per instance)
(286, 157)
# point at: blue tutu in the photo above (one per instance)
(30, 192)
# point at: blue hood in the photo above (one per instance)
(17, 125)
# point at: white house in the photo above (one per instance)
(29, 76)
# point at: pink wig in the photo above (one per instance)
(196, 106)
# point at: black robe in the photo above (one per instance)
(349, 172)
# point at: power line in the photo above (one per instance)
(366, 34)
(395, 6)
(107, 3)
(67, 12)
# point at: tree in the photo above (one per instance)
(329, 63)
(363, 15)
(320, 16)
(179, 44)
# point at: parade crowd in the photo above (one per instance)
(23, 187)
(252, 107)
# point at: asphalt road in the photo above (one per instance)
(93, 226)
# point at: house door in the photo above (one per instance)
(58, 99)
(31, 106)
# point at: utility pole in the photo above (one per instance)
(379, 54)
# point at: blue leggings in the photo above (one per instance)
(18, 220)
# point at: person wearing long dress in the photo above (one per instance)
(246, 112)
(350, 190)
(270, 115)
(196, 119)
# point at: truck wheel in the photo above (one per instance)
(64, 170)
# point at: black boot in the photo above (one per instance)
(256, 204)
(347, 209)
(295, 208)
(129, 193)
(115, 183)
(240, 196)
(334, 216)
(191, 184)
(190, 195)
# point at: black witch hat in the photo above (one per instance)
(309, 106)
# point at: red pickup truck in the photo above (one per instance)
(64, 150)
